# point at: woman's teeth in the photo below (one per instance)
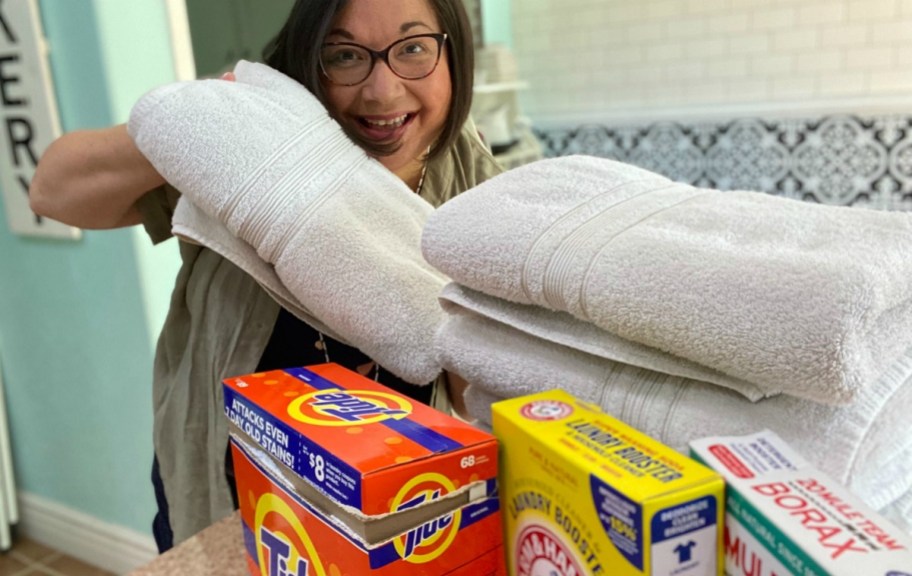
(391, 123)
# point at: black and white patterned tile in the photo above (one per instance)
(843, 160)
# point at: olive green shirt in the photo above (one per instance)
(217, 326)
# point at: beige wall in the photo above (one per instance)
(608, 60)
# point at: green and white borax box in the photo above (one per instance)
(585, 494)
(786, 517)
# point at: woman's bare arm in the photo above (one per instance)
(92, 179)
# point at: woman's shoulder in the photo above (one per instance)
(468, 163)
(472, 150)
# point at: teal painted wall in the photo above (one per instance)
(496, 20)
(78, 319)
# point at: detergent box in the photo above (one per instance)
(585, 494)
(338, 475)
(785, 517)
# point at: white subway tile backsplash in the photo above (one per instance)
(706, 48)
(644, 76)
(773, 18)
(846, 35)
(871, 10)
(644, 33)
(667, 52)
(898, 31)
(726, 22)
(793, 88)
(845, 84)
(819, 61)
(731, 68)
(752, 43)
(593, 56)
(707, 7)
(794, 40)
(665, 9)
(817, 13)
(686, 28)
(624, 12)
(870, 58)
(706, 92)
(752, 90)
(891, 81)
(686, 71)
(772, 65)
(904, 56)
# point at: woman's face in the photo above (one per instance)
(384, 108)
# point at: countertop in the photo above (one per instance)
(216, 551)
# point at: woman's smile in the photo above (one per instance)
(385, 129)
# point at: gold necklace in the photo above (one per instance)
(423, 172)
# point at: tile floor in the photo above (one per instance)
(28, 558)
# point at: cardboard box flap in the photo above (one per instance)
(371, 531)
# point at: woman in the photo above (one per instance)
(397, 76)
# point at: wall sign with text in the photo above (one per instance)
(28, 115)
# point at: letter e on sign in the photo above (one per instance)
(28, 116)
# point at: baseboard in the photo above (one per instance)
(107, 546)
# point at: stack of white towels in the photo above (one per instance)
(687, 312)
(684, 311)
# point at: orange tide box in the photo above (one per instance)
(338, 475)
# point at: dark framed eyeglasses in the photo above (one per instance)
(410, 58)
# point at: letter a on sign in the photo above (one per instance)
(28, 116)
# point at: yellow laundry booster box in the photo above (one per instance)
(784, 516)
(582, 493)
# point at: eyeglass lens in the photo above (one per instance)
(409, 58)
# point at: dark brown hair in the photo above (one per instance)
(295, 51)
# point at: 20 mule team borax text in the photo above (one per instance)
(784, 516)
(585, 494)
(340, 476)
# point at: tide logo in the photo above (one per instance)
(539, 552)
(428, 541)
(283, 546)
(336, 407)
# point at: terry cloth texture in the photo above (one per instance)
(867, 446)
(566, 330)
(797, 298)
(262, 157)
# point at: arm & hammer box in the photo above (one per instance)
(585, 494)
(340, 476)
(786, 517)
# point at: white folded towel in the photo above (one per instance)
(900, 512)
(566, 330)
(866, 445)
(342, 233)
(797, 298)
(191, 224)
